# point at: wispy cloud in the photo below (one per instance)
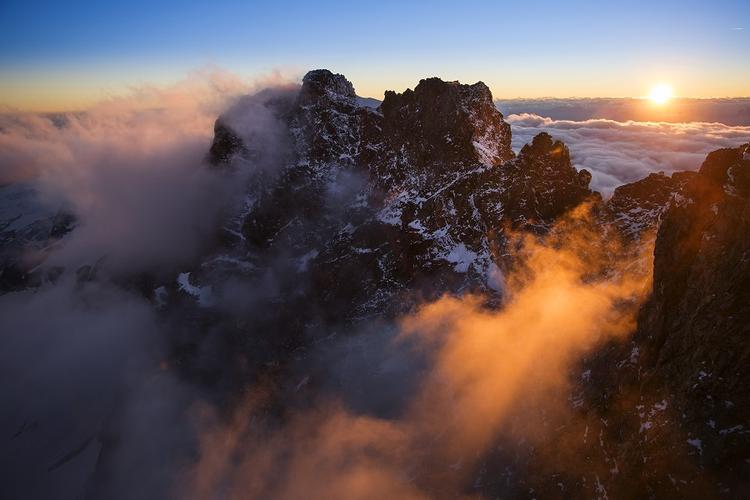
(131, 170)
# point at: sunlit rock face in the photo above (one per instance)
(671, 404)
(695, 327)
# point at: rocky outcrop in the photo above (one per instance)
(637, 208)
(321, 84)
(225, 145)
(541, 184)
(363, 216)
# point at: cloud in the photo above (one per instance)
(66, 359)
(727, 110)
(132, 170)
(620, 152)
(82, 380)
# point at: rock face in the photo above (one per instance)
(542, 184)
(675, 399)
(695, 328)
(701, 264)
(443, 123)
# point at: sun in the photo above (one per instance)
(660, 94)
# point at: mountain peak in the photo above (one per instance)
(435, 85)
(320, 82)
(448, 120)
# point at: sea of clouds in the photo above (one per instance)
(618, 152)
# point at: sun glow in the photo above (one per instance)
(660, 94)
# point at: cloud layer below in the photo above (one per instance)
(621, 152)
(730, 111)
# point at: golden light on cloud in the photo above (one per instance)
(660, 94)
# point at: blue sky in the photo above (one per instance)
(53, 51)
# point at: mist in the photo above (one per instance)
(132, 169)
(83, 354)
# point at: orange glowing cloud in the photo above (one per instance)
(567, 293)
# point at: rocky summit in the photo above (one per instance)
(414, 195)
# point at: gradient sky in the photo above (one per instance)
(65, 55)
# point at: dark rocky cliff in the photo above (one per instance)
(694, 330)
(672, 403)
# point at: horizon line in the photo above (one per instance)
(6, 109)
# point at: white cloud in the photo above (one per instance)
(132, 170)
(620, 152)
